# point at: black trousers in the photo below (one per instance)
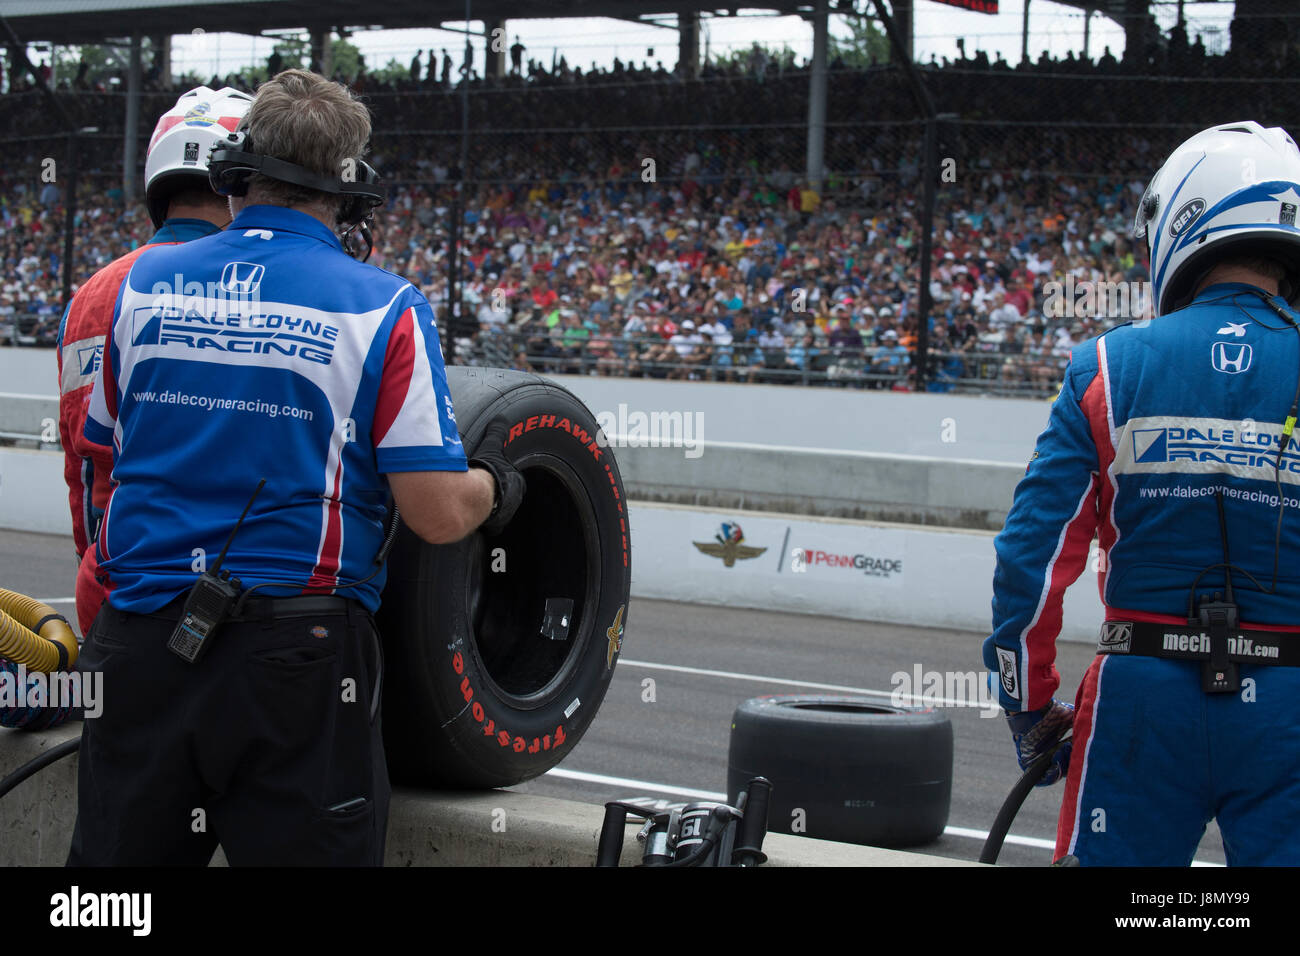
(269, 745)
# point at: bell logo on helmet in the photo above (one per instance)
(1188, 214)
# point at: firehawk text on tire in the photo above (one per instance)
(845, 768)
(499, 649)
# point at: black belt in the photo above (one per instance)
(1191, 642)
(260, 608)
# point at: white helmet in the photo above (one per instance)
(1231, 189)
(178, 150)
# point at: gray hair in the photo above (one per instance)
(311, 121)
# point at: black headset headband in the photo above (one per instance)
(233, 162)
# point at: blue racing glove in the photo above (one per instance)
(1035, 732)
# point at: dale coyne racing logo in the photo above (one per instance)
(1166, 445)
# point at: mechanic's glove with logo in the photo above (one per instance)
(510, 485)
(1035, 732)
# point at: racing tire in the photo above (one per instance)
(845, 768)
(476, 694)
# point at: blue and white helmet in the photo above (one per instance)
(1232, 189)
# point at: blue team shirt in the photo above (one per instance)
(264, 351)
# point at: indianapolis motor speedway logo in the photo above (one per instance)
(614, 635)
(728, 544)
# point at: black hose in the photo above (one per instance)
(1011, 806)
(39, 763)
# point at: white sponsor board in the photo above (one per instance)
(905, 574)
(860, 570)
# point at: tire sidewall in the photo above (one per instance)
(493, 739)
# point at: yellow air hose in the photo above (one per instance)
(34, 635)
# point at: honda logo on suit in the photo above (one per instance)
(1230, 357)
(242, 278)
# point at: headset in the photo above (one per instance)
(234, 160)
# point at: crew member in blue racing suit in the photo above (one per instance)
(1171, 440)
(264, 356)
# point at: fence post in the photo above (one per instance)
(930, 170)
(69, 214)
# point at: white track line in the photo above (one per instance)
(1035, 842)
(601, 778)
(810, 685)
(635, 784)
(70, 600)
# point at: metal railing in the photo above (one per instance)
(978, 368)
(29, 329)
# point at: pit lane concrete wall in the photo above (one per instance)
(956, 427)
(861, 570)
(896, 482)
(908, 573)
(944, 460)
(426, 828)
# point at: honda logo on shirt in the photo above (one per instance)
(242, 278)
(1230, 357)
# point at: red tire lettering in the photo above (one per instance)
(466, 691)
(535, 746)
(546, 742)
(477, 711)
(458, 663)
(487, 731)
(503, 738)
(519, 745)
(559, 735)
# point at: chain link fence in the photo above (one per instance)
(645, 225)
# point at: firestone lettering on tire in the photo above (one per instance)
(490, 729)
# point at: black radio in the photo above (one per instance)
(209, 601)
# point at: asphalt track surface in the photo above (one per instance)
(706, 660)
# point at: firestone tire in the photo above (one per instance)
(476, 694)
(845, 768)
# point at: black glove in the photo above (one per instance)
(1036, 732)
(510, 485)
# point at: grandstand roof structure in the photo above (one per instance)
(78, 21)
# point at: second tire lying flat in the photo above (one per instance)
(845, 768)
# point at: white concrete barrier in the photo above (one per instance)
(23, 415)
(33, 493)
(979, 427)
(912, 489)
(866, 571)
(909, 574)
(29, 370)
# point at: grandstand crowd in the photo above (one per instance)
(631, 222)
